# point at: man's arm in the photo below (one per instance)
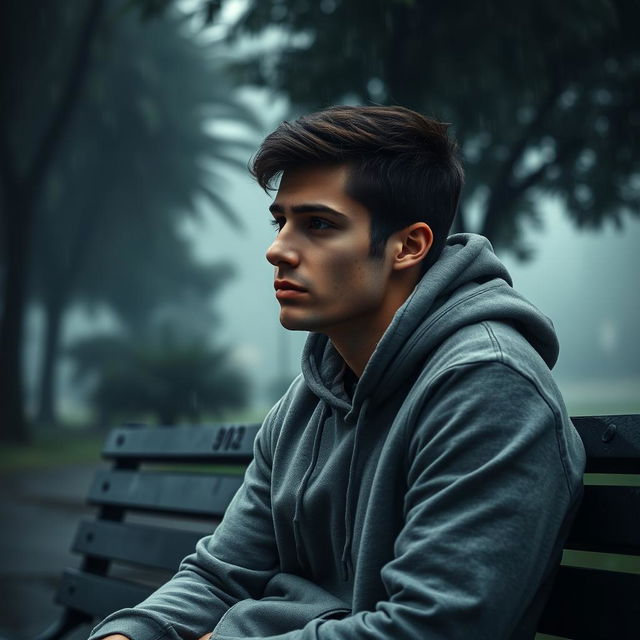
(232, 564)
(489, 492)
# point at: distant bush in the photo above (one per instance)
(163, 376)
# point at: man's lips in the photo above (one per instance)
(287, 284)
(285, 289)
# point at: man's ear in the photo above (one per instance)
(411, 245)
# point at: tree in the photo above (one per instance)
(545, 97)
(47, 52)
(24, 162)
(135, 155)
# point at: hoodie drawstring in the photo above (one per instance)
(297, 514)
(352, 488)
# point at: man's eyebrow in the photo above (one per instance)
(306, 208)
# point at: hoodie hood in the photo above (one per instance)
(468, 284)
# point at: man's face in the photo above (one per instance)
(325, 279)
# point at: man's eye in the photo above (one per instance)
(319, 224)
(278, 223)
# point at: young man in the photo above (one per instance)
(417, 480)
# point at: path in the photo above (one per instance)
(39, 512)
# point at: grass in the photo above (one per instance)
(49, 449)
(58, 446)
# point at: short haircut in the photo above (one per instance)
(403, 167)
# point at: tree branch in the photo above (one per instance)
(535, 176)
(70, 95)
(512, 192)
(518, 149)
(501, 190)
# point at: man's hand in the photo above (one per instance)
(206, 636)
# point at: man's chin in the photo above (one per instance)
(292, 323)
(293, 326)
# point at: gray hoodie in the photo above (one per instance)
(431, 504)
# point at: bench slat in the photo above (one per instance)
(612, 443)
(149, 546)
(195, 494)
(608, 521)
(222, 443)
(594, 604)
(98, 596)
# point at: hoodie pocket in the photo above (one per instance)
(289, 603)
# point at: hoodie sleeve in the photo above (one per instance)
(232, 564)
(487, 505)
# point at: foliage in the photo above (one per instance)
(99, 220)
(135, 156)
(168, 377)
(544, 96)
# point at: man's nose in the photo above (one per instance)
(282, 251)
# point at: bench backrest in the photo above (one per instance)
(167, 487)
(597, 591)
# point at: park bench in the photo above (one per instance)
(166, 486)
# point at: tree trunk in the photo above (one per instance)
(496, 209)
(54, 310)
(18, 219)
(504, 190)
(20, 194)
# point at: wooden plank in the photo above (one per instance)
(221, 443)
(145, 545)
(612, 442)
(98, 596)
(195, 494)
(608, 521)
(593, 604)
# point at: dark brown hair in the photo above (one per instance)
(403, 167)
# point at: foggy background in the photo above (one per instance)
(586, 281)
(134, 284)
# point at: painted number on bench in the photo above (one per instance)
(228, 438)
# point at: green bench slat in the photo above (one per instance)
(592, 604)
(149, 546)
(612, 443)
(196, 494)
(228, 443)
(96, 595)
(608, 521)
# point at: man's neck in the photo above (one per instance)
(357, 343)
(356, 348)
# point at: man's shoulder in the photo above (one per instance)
(488, 342)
